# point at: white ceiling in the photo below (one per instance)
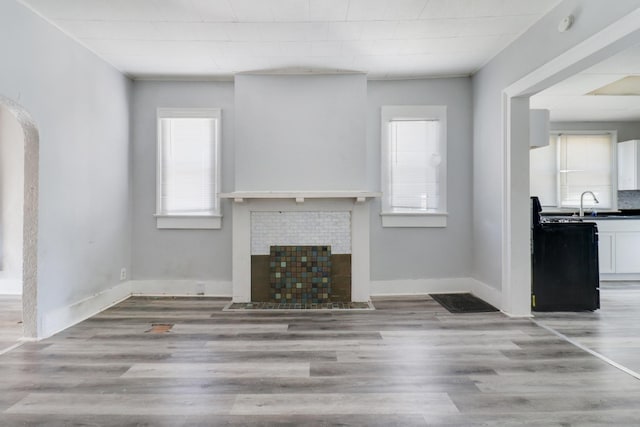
(569, 99)
(218, 38)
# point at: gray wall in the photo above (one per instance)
(300, 132)
(178, 254)
(396, 253)
(81, 107)
(418, 253)
(541, 43)
(11, 202)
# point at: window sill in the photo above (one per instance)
(188, 222)
(414, 219)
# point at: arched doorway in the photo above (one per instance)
(29, 216)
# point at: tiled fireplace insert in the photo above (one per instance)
(301, 275)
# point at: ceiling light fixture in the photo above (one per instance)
(566, 23)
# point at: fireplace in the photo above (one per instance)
(338, 220)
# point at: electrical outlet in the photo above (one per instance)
(123, 273)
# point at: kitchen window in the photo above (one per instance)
(414, 141)
(571, 164)
(188, 168)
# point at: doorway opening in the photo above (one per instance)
(606, 45)
(19, 161)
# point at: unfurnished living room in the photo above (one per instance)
(319, 212)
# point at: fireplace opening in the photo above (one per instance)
(301, 275)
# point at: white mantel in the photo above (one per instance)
(300, 196)
(354, 202)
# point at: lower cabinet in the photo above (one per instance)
(618, 248)
(627, 248)
(606, 247)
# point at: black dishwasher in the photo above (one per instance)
(564, 264)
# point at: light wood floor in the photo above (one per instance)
(613, 331)
(407, 363)
(10, 321)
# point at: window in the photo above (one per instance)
(188, 175)
(571, 164)
(414, 166)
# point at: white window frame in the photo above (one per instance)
(614, 171)
(211, 220)
(423, 218)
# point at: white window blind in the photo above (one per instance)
(414, 165)
(571, 164)
(585, 165)
(415, 160)
(188, 178)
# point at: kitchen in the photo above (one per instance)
(584, 161)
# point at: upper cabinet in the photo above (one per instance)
(628, 165)
(538, 128)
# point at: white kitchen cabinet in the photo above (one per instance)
(618, 248)
(539, 128)
(627, 249)
(628, 176)
(606, 254)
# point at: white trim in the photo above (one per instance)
(176, 221)
(565, 64)
(411, 112)
(433, 286)
(10, 286)
(208, 288)
(487, 293)
(419, 219)
(187, 222)
(62, 318)
(65, 317)
(300, 196)
(189, 113)
(420, 286)
(12, 347)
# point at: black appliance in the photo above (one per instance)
(564, 264)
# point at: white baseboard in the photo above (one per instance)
(420, 286)
(57, 320)
(208, 288)
(486, 293)
(62, 318)
(53, 322)
(434, 286)
(10, 287)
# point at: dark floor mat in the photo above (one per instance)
(463, 303)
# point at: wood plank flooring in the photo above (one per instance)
(409, 362)
(613, 331)
(10, 321)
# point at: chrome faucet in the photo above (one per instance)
(595, 199)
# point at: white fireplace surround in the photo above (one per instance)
(354, 202)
